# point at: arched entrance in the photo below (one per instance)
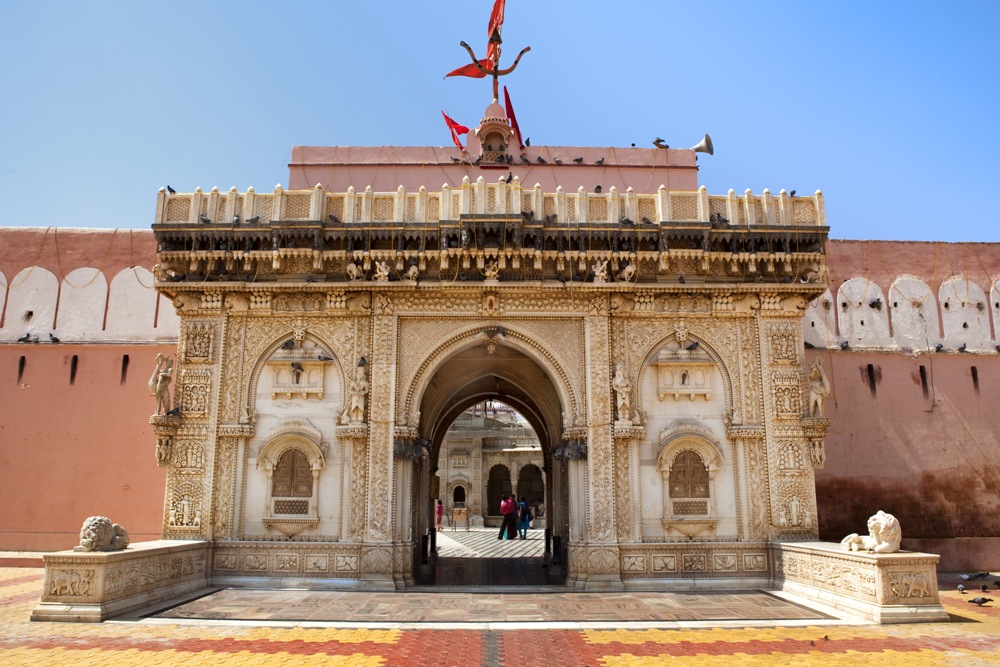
(502, 375)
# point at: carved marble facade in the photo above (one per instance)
(670, 400)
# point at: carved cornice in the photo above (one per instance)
(815, 428)
(165, 425)
(755, 433)
(353, 432)
(629, 432)
(237, 430)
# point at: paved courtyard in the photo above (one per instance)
(490, 627)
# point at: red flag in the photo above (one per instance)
(456, 129)
(496, 17)
(496, 25)
(511, 117)
(469, 70)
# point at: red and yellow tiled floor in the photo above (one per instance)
(971, 639)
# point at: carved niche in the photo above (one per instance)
(683, 371)
(298, 370)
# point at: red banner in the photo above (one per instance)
(511, 117)
(456, 129)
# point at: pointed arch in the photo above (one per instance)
(477, 335)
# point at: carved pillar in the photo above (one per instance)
(355, 439)
(602, 568)
(627, 439)
(377, 553)
(231, 440)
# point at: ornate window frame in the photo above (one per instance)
(689, 435)
(291, 434)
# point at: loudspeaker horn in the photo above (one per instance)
(704, 146)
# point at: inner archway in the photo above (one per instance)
(491, 418)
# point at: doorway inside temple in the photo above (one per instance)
(493, 440)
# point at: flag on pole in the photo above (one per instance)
(495, 26)
(470, 70)
(492, 48)
(456, 129)
(511, 117)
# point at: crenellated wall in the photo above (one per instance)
(912, 427)
(81, 286)
(908, 297)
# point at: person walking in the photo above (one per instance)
(507, 510)
(523, 519)
(440, 513)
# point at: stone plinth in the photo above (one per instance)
(91, 587)
(898, 587)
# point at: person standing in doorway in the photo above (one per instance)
(507, 509)
(440, 513)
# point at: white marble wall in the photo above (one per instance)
(661, 414)
(85, 307)
(321, 413)
(910, 317)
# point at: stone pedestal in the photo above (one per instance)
(91, 587)
(897, 587)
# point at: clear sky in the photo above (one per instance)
(892, 109)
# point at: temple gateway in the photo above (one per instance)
(649, 333)
(330, 336)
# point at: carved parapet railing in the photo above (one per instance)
(91, 587)
(215, 209)
(491, 232)
(897, 587)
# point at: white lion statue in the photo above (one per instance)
(884, 536)
(99, 534)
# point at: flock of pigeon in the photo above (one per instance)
(979, 601)
(28, 338)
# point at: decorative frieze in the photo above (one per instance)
(685, 560)
(886, 588)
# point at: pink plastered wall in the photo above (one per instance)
(385, 168)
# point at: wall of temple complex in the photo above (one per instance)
(912, 430)
(74, 414)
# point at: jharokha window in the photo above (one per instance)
(292, 479)
(688, 476)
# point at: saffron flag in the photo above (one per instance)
(495, 26)
(511, 117)
(470, 70)
(492, 48)
(456, 129)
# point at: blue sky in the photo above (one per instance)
(890, 108)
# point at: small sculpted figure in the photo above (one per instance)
(884, 536)
(623, 389)
(159, 383)
(359, 389)
(819, 389)
(99, 534)
(600, 271)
